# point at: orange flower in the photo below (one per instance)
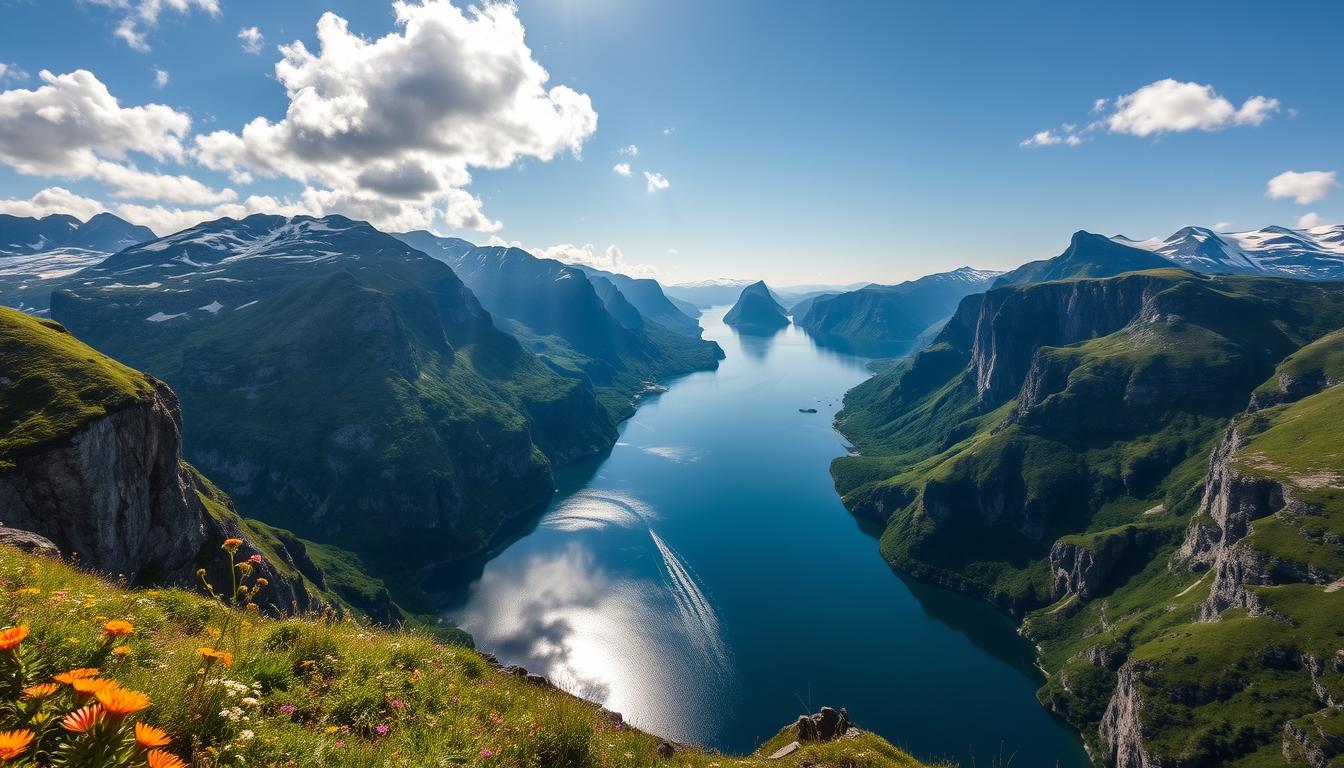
(210, 654)
(121, 651)
(82, 719)
(90, 686)
(10, 638)
(119, 702)
(157, 758)
(118, 628)
(148, 736)
(232, 545)
(75, 674)
(40, 691)
(13, 743)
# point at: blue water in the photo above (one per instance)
(704, 580)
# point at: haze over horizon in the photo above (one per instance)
(718, 147)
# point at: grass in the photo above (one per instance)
(52, 384)
(315, 691)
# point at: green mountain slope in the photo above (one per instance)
(757, 309)
(891, 313)
(1088, 255)
(1049, 452)
(340, 383)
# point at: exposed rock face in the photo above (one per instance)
(825, 725)
(1121, 727)
(1055, 314)
(1081, 570)
(1307, 740)
(115, 497)
(28, 542)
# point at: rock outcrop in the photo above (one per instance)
(115, 497)
(1121, 727)
(1081, 569)
(826, 725)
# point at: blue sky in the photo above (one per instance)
(800, 142)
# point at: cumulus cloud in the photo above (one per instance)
(1041, 139)
(656, 181)
(160, 77)
(251, 39)
(1303, 187)
(629, 151)
(11, 72)
(140, 16)
(1309, 220)
(610, 260)
(410, 113)
(621, 169)
(1222, 226)
(53, 200)
(1171, 106)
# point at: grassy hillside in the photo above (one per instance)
(317, 691)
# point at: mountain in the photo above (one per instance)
(648, 297)
(1307, 254)
(756, 308)
(341, 383)
(1088, 255)
(36, 253)
(708, 293)
(90, 459)
(799, 309)
(893, 313)
(1062, 450)
(579, 320)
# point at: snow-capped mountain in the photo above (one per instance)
(36, 253)
(1307, 254)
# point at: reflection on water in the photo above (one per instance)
(704, 580)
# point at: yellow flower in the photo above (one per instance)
(119, 702)
(10, 638)
(121, 651)
(210, 654)
(148, 736)
(118, 628)
(213, 632)
(75, 674)
(13, 743)
(231, 545)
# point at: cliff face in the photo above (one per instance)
(116, 497)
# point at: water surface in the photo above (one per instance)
(704, 580)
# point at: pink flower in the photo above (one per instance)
(486, 753)
(340, 743)
(397, 704)
(255, 559)
(288, 709)
(381, 729)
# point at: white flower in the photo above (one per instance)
(246, 735)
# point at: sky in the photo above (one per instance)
(800, 143)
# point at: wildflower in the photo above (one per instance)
(147, 736)
(487, 753)
(213, 632)
(10, 638)
(210, 654)
(288, 709)
(261, 582)
(397, 704)
(231, 545)
(246, 735)
(82, 719)
(120, 702)
(90, 686)
(40, 691)
(13, 743)
(381, 729)
(255, 559)
(157, 758)
(118, 628)
(75, 674)
(121, 651)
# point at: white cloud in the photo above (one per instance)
(1309, 220)
(160, 77)
(628, 151)
(610, 260)
(1222, 226)
(1172, 106)
(65, 126)
(10, 72)
(252, 40)
(656, 181)
(1099, 105)
(1072, 140)
(1041, 139)
(621, 169)
(398, 122)
(131, 182)
(53, 200)
(140, 16)
(1304, 187)
(669, 131)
